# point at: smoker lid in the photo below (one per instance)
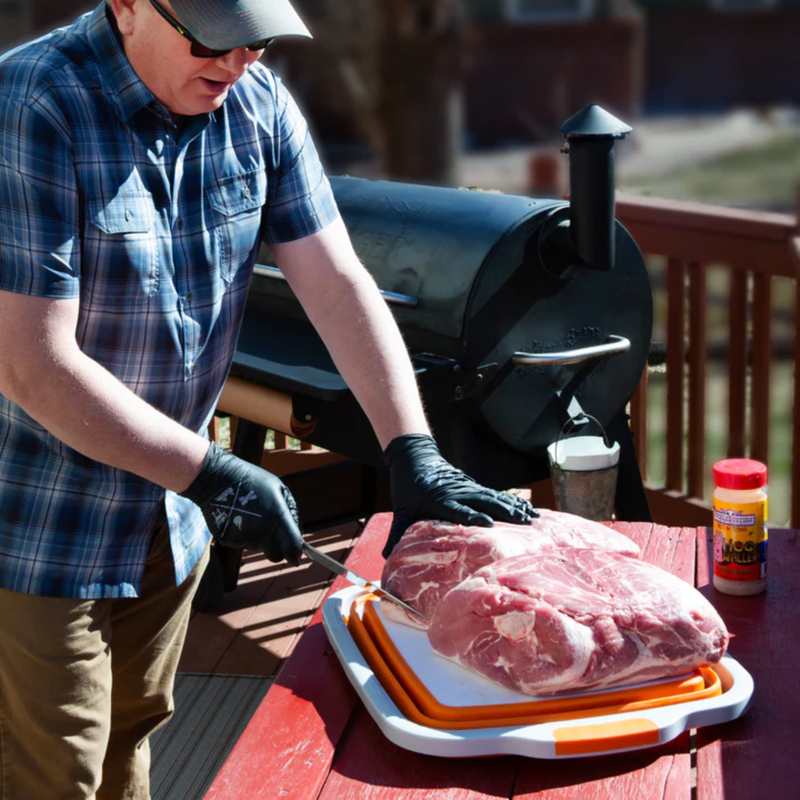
(430, 243)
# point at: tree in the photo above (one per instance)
(397, 66)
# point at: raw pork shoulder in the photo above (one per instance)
(433, 557)
(581, 619)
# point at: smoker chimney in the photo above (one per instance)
(589, 141)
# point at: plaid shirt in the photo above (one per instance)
(156, 230)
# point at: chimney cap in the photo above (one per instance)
(594, 122)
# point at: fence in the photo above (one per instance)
(753, 248)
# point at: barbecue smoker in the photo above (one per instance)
(519, 314)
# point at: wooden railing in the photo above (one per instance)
(754, 248)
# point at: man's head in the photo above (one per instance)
(190, 52)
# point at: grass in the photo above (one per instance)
(765, 176)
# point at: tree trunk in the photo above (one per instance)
(419, 107)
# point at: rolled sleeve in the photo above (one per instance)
(300, 201)
(38, 206)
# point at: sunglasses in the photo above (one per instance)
(199, 50)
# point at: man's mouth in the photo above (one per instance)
(216, 86)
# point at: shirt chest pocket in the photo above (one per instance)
(122, 238)
(235, 204)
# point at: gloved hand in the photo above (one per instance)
(425, 486)
(246, 506)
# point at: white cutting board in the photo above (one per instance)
(453, 685)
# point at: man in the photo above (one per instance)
(144, 154)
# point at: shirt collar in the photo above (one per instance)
(118, 79)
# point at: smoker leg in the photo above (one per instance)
(211, 587)
(630, 499)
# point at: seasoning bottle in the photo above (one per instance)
(740, 531)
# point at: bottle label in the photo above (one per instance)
(740, 540)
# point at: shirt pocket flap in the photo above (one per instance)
(126, 213)
(239, 193)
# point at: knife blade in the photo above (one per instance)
(340, 569)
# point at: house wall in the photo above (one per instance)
(21, 20)
(697, 60)
(520, 81)
(525, 80)
(14, 22)
(47, 14)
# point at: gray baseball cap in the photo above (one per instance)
(225, 24)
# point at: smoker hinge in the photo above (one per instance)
(473, 382)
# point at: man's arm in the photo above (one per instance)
(44, 372)
(349, 313)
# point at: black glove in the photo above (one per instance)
(425, 486)
(246, 506)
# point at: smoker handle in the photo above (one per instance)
(390, 297)
(614, 345)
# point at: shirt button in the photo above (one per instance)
(188, 297)
(247, 191)
(128, 214)
(180, 223)
(193, 368)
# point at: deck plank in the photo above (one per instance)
(257, 625)
(311, 694)
(370, 767)
(662, 772)
(759, 757)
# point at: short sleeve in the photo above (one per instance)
(39, 242)
(300, 201)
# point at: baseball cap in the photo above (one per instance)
(226, 24)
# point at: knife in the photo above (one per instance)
(340, 569)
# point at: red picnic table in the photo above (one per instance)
(312, 738)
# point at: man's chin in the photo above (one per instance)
(206, 105)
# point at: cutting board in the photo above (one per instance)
(428, 704)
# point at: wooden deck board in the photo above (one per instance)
(315, 697)
(758, 756)
(257, 625)
(370, 767)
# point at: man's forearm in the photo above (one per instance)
(371, 356)
(348, 311)
(87, 408)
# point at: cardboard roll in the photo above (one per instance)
(264, 406)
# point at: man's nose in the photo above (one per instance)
(238, 60)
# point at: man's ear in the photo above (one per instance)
(126, 12)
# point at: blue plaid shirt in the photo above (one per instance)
(156, 230)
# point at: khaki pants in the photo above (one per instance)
(83, 683)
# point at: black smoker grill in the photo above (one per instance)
(518, 313)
